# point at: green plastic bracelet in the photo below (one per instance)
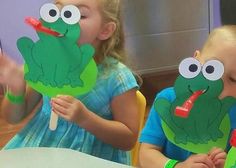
(171, 163)
(15, 99)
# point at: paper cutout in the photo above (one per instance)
(55, 64)
(231, 159)
(207, 123)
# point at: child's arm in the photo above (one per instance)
(12, 77)
(121, 132)
(150, 156)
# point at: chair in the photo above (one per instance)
(141, 100)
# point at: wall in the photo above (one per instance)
(216, 13)
(160, 33)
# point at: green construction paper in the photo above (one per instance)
(208, 123)
(231, 158)
(57, 65)
(88, 76)
(201, 147)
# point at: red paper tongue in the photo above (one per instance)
(233, 139)
(37, 25)
(183, 111)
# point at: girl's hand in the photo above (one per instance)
(69, 108)
(197, 161)
(218, 156)
(11, 75)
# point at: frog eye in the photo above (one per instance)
(70, 14)
(49, 12)
(189, 68)
(213, 70)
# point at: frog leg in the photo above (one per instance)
(87, 52)
(25, 46)
(48, 77)
(192, 135)
(61, 73)
(201, 128)
(163, 108)
(214, 129)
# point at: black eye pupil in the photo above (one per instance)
(210, 69)
(67, 14)
(193, 68)
(52, 12)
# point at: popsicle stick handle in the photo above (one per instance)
(53, 121)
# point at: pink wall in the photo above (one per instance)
(216, 13)
(12, 26)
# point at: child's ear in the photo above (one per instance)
(107, 31)
(197, 54)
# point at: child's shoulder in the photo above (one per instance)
(113, 66)
(167, 93)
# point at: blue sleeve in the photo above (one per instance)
(152, 132)
(122, 80)
(232, 115)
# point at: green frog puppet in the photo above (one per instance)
(55, 59)
(196, 115)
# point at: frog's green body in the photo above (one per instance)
(206, 115)
(56, 61)
(234, 166)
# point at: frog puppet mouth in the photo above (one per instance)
(37, 25)
(194, 90)
(184, 110)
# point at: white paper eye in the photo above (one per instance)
(189, 68)
(70, 14)
(213, 70)
(49, 12)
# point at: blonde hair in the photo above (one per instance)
(225, 33)
(115, 45)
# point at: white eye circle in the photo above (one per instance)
(49, 12)
(70, 14)
(189, 68)
(213, 70)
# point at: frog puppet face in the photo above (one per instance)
(56, 60)
(195, 115)
(65, 21)
(194, 77)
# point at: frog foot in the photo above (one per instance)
(77, 83)
(216, 134)
(31, 77)
(60, 84)
(194, 140)
(204, 140)
(181, 139)
(46, 81)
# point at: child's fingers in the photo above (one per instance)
(66, 98)
(60, 114)
(203, 159)
(61, 102)
(219, 156)
(220, 162)
(57, 108)
(214, 152)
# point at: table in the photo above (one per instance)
(52, 158)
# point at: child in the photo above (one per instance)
(103, 122)
(156, 150)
